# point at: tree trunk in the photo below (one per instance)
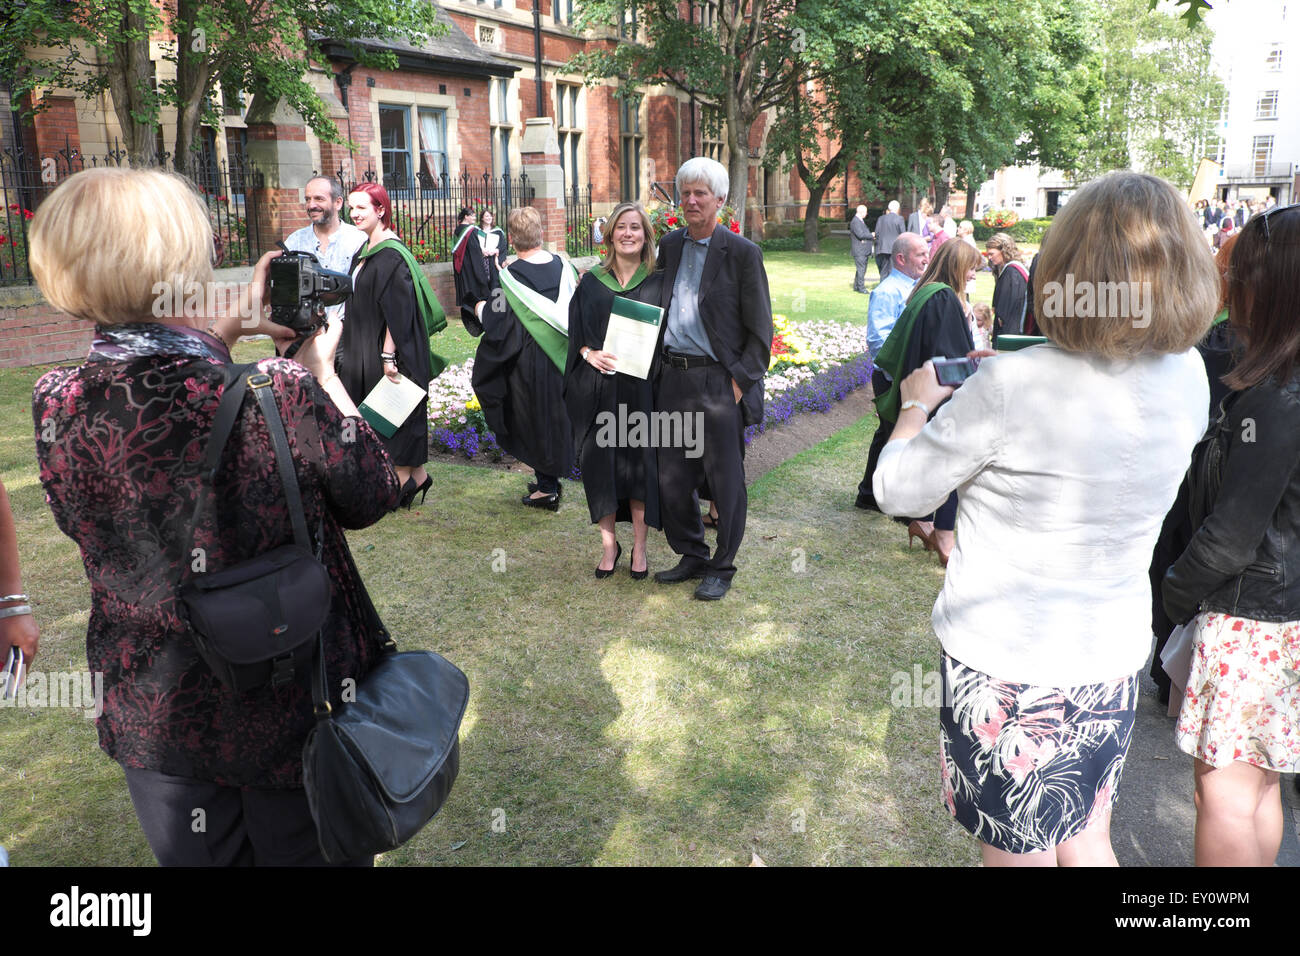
(812, 218)
(193, 77)
(130, 84)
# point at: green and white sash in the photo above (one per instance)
(546, 321)
(607, 279)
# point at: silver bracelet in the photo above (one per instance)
(913, 403)
(15, 611)
(14, 597)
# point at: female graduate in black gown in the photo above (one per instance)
(622, 483)
(518, 368)
(1011, 291)
(941, 328)
(464, 269)
(384, 334)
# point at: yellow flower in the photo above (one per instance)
(473, 405)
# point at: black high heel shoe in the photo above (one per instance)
(600, 574)
(423, 490)
(407, 496)
(638, 575)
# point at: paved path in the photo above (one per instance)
(1154, 819)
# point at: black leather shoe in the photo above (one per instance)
(712, 589)
(686, 569)
(532, 489)
(550, 502)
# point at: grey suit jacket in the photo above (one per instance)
(888, 228)
(860, 243)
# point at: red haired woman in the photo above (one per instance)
(384, 334)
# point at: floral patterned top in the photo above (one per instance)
(119, 442)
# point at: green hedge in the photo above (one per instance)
(1026, 230)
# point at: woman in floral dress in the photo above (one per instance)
(1239, 579)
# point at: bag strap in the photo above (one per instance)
(321, 706)
(239, 378)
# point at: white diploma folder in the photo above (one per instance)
(633, 335)
(389, 404)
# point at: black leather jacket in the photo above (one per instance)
(1244, 560)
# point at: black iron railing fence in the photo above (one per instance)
(27, 178)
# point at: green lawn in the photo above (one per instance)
(613, 722)
(820, 285)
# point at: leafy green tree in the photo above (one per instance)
(735, 53)
(919, 97)
(1158, 98)
(103, 45)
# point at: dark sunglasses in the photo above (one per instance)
(1263, 217)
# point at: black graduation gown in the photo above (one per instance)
(1010, 298)
(941, 330)
(383, 297)
(519, 387)
(611, 477)
(471, 280)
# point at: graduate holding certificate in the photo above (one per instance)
(614, 303)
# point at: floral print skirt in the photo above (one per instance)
(1243, 695)
(1024, 767)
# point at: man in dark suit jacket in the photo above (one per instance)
(860, 246)
(716, 343)
(888, 228)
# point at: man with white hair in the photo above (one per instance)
(716, 343)
(888, 228)
(860, 246)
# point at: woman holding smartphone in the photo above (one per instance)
(1044, 618)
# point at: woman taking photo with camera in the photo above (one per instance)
(1044, 618)
(385, 335)
(121, 441)
(1237, 580)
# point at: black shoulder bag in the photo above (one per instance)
(255, 622)
(380, 767)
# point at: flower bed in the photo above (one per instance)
(814, 365)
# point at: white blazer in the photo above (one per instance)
(1065, 465)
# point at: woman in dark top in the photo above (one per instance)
(621, 483)
(1011, 291)
(934, 323)
(518, 371)
(385, 335)
(120, 441)
(1236, 584)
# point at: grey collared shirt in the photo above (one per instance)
(686, 334)
(338, 256)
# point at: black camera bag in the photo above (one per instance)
(256, 622)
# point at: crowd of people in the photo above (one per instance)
(1047, 483)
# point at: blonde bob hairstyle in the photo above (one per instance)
(525, 224)
(647, 251)
(105, 238)
(1133, 234)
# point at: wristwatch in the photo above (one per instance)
(583, 352)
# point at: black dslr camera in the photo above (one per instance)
(301, 288)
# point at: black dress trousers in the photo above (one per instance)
(705, 393)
